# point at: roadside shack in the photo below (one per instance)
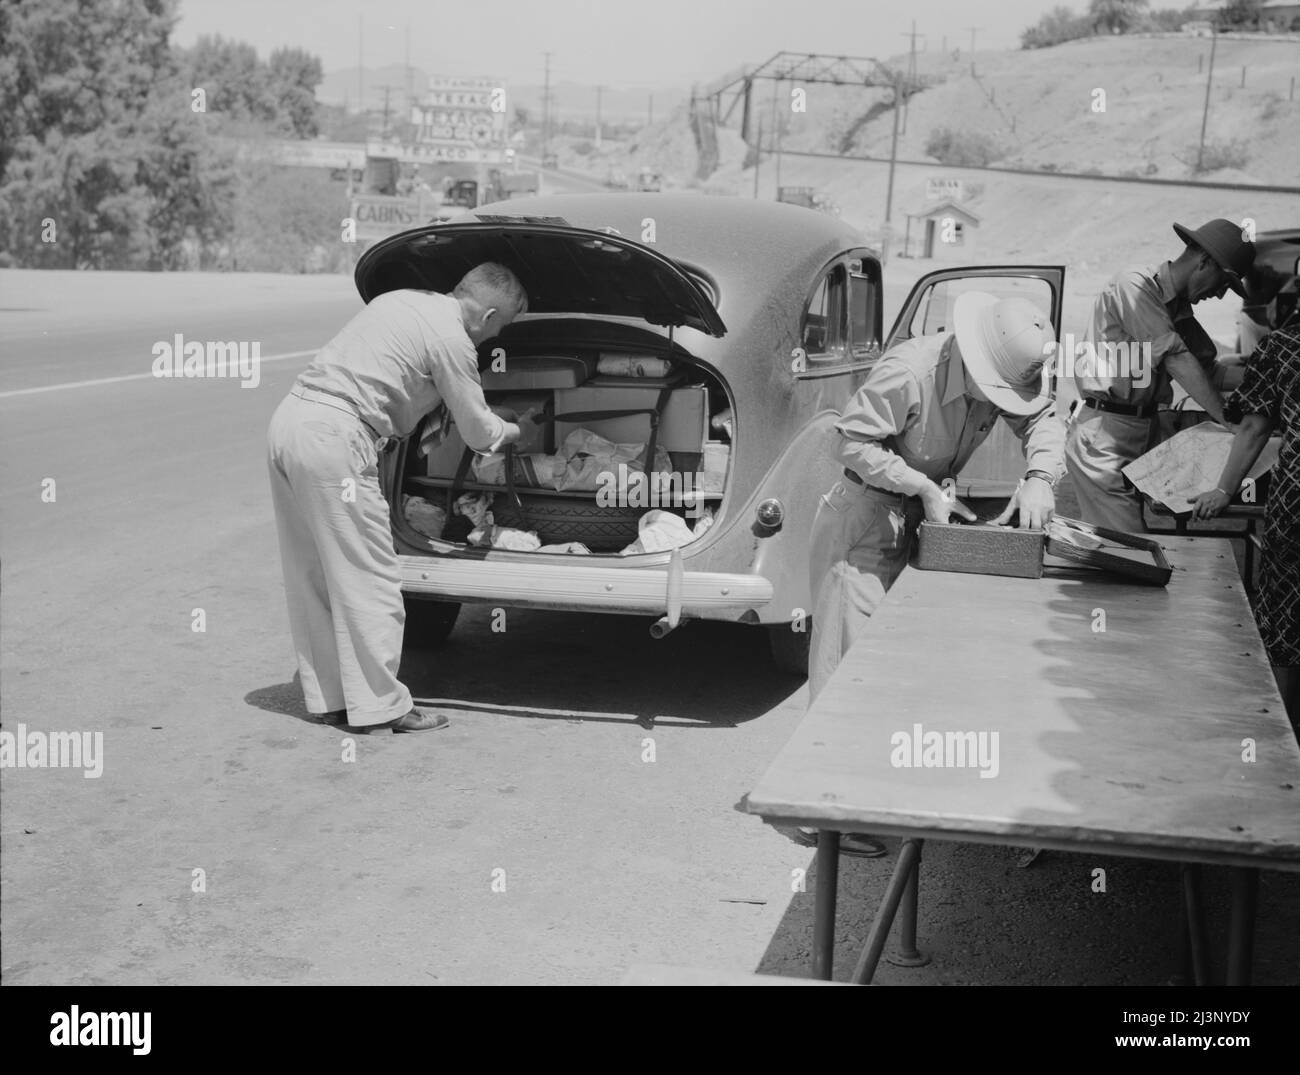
(942, 231)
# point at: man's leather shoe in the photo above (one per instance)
(336, 718)
(416, 720)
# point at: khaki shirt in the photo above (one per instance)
(1138, 306)
(401, 357)
(912, 421)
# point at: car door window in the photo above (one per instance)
(825, 325)
(864, 322)
(934, 314)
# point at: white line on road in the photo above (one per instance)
(131, 377)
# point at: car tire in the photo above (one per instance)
(428, 623)
(789, 648)
(560, 520)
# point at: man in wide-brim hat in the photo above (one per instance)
(1148, 314)
(919, 416)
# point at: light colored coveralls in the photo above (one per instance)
(401, 357)
(910, 421)
(1137, 306)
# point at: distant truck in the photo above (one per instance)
(805, 196)
(500, 187)
(809, 198)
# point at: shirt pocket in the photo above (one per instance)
(929, 445)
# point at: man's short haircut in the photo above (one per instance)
(491, 284)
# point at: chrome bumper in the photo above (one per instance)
(578, 586)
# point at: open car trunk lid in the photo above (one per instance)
(565, 270)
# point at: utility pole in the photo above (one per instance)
(361, 88)
(776, 128)
(387, 90)
(407, 69)
(972, 30)
(599, 91)
(758, 154)
(889, 194)
(1205, 112)
(780, 127)
(546, 110)
(911, 71)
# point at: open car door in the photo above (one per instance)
(999, 463)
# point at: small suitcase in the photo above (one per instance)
(1003, 550)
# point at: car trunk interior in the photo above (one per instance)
(625, 449)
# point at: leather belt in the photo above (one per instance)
(1146, 411)
(342, 403)
(856, 480)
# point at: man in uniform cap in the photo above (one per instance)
(1115, 419)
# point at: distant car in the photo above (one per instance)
(550, 160)
(766, 319)
(1198, 28)
(1271, 286)
(649, 181)
(616, 179)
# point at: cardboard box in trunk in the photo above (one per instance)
(445, 458)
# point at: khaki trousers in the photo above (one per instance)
(1097, 447)
(341, 574)
(861, 541)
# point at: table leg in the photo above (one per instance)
(1252, 541)
(828, 877)
(907, 860)
(1241, 924)
(908, 955)
(1195, 913)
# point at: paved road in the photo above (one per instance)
(320, 869)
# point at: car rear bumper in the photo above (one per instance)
(584, 586)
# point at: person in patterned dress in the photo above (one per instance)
(1268, 402)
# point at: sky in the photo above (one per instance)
(611, 42)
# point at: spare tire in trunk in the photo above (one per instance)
(558, 520)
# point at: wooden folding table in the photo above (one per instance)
(1131, 720)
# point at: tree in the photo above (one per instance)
(1056, 27)
(294, 76)
(235, 82)
(97, 138)
(1116, 16)
(1169, 18)
(1241, 14)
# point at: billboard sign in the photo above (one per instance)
(381, 215)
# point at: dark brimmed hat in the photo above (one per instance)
(1222, 240)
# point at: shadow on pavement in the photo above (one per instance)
(584, 668)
